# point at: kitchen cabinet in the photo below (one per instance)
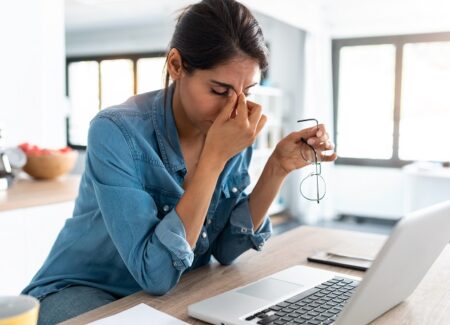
(31, 215)
(425, 184)
(26, 237)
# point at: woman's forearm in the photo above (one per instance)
(193, 205)
(265, 191)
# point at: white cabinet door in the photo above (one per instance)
(26, 237)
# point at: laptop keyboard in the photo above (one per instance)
(317, 306)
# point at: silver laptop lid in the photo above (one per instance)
(415, 243)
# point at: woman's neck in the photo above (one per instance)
(186, 130)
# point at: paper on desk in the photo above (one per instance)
(358, 249)
(137, 315)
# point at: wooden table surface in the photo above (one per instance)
(27, 192)
(429, 304)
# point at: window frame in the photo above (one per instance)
(398, 41)
(134, 57)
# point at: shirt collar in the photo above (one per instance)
(166, 131)
(168, 140)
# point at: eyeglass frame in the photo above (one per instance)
(318, 166)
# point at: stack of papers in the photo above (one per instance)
(140, 314)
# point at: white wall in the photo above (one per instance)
(352, 18)
(32, 72)
(368, 191)
(26, 237)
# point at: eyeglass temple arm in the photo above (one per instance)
(316, 166)
(308, 120)
(315, 154)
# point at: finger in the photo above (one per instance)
(241, 110)
(324, 146)
(314, 131)
(251, 105)
(227, 111)
(315, 140)
(255, 116)
(331, 157)
(320, 130)
(262, 121)
(308, 132)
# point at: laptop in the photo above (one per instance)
(306, 295)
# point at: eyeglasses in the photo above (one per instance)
(312, 187)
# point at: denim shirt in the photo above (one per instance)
(125, 234)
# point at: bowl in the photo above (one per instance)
(50, 165)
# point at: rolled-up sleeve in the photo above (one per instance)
(154, 250)
(238, 235)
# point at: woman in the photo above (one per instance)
(165, 172)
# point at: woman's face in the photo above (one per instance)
(204, 93)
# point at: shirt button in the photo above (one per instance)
(166, 208)
(234, 189)
(209, 221)
(260, 246)
(204, 234)
(243, 230)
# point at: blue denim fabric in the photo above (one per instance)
(71, 302)
(125, 235)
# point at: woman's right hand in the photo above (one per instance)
(235, 128)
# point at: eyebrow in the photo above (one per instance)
(223, 84)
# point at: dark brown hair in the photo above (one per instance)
(212, 32)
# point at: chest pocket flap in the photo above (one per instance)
(235, 185)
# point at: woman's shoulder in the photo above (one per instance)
(133, 116)
(131, 120)
(139, 106)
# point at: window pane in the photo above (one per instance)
(117, 81)
(366, 101)
(150, 74)
(425, 112)
(84, 99)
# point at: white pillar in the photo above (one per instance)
(32, 72)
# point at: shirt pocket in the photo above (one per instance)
(231, 191)
(235, 185)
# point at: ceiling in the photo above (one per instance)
(91, 14)
(343, 17)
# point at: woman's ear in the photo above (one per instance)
(174, 64)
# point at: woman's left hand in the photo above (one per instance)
(287, 155)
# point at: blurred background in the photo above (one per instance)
(377, 73)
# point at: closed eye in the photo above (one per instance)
(226, 93)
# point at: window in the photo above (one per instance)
(95, 83)
(392, 104)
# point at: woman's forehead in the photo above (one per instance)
(237, 73)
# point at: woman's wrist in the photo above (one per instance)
(212, 161)
(275, 168)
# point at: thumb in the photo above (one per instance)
(226, 112)
(307, 133)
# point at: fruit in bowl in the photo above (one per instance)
(45, 163)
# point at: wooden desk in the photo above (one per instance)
(429, 304)
(27, 192)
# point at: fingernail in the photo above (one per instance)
(311, 141)
(319, 133)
